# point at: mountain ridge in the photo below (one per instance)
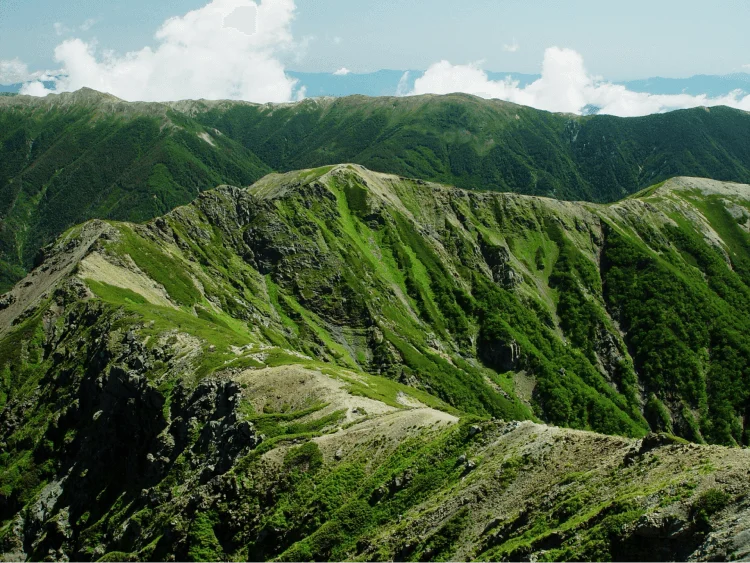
(159, 156)
(364, 346)
(379, 204)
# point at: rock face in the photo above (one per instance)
(503, 356)
(115, 431)
(320, 367)
(499, 261)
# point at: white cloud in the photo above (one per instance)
(15, 71)
(565, 86)
(226, 49)
(337, 40)
(343, 71)
(62, 29)
(34, 89)
(512, 48)
(403, 85)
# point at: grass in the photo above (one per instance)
(159, 266)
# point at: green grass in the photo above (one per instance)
(159, 266)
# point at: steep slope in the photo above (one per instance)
(317, 367)
(615, 318)
(66, 159)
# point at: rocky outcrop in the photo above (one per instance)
(112, 432)
(6, 301)
(502, 355)
(499, 261)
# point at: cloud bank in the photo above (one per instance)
(565, 86)
(15, 71)
(226, 49)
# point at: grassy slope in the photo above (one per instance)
(344, 273)
(607, 311)
(412, 263)
(64, 164)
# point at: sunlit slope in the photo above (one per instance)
(613, 318)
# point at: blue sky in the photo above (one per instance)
(619, 40)
(244, 49)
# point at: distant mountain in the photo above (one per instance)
(380, 83)
(392, 82)
(711, 86)
(386, 83)
(67, 158)
(72, 157)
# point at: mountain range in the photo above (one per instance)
(395, 328)
(341, 364)
(393, 82)
(68, 158)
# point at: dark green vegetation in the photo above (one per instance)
(319, 367)
(84, 156)
(87, 155)
(492, 145)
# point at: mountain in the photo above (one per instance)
(68, 158)
(341, 364)
(709, 85)
(379, 83)
(65, 159)
(490, 144)
(393, 82)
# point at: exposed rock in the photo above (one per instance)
(504, 356)
(498, 260)
(665, 526)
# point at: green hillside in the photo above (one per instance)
(490, 144)
(618, 318)
(336, 364)
(88, 155)
(68, 158)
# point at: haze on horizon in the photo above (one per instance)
(240, 49)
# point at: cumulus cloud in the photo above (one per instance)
(226, 49)
(565, 86)
(88, 24)
(403, 85)
(343, 71)
(62, 29)
(15, 71)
